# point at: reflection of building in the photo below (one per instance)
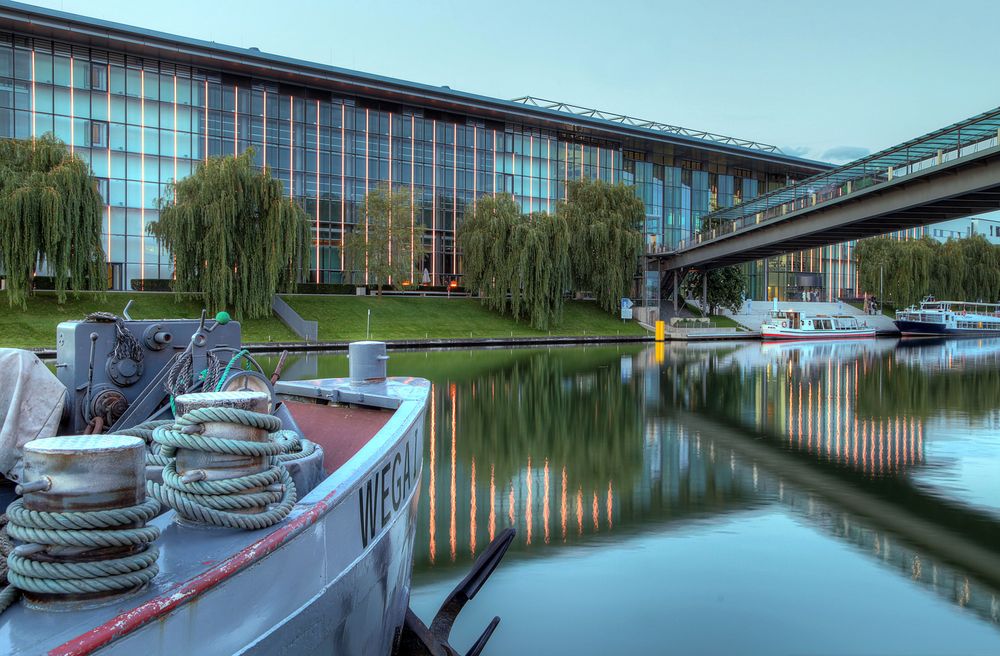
(816, 409)
(143, 108)
(553, 501)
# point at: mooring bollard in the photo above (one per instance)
(82, 521)
(223, 468)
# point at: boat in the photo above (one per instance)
(792, 324)
(317, 559)
(952, 318)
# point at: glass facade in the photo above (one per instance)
(141, 123)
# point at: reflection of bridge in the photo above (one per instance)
(848, 508)
(950, 173)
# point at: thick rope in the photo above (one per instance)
(293, 446)
(8, 593)
(271, 492)
(95, 529)
(144, 431)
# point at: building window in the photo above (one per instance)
(98, 134)
(98, 77)
(102, 188)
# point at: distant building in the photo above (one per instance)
(967, 227)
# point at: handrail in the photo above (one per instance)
(942, 146)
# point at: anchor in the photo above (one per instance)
(417, 639)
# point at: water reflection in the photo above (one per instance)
(594, 446)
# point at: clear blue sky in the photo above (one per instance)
(826, 80)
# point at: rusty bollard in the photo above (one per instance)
(84, 502)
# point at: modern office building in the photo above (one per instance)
(987, 227)
(144, 108)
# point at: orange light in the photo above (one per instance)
(453, 284)
(317, 190)
(434, 131)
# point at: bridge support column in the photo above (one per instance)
(704, 293)
(677, 289)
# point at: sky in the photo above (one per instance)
(823, 80)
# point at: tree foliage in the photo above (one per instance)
(390, 245)
(50, 212)
(519, 264)
(959, 269)
(234, 234)
(726, 287)
(605, 223)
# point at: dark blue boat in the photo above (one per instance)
(952, 318)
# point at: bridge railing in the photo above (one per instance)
(961, 139)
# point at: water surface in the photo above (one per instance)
(715, 498)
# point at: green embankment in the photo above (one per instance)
(398, 317)
(36, 326)
(340, 318)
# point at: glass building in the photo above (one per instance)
(143, 108)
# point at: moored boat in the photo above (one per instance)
(792, 324)
(952, 318)
(307, 548)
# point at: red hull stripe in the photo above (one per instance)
(827, 336)
(158, 607)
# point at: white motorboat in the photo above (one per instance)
(792, 324)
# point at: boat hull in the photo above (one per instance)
(927, 329)
(333, 577)
(793, 334)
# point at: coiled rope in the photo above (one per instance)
(144, 431)
(92, 529)
(214, 501)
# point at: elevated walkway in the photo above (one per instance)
(950, 173)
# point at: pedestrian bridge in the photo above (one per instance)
(950, 173)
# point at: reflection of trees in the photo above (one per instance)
(570, 408)
(894, 387)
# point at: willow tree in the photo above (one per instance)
(486, 239)
(234, 234)
(518, 264)
(981, 262)
(50, 214)
(605, 223)
(873, 259)
(386, 247)
(539, 269)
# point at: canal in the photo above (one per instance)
(839, 498)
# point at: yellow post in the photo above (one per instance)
(659, 331)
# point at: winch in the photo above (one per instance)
(116, 369)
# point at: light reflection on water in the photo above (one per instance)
(723, 498)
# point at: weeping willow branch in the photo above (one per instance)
(50, 213)
(519, 264)
(605, 221)
(234, 234)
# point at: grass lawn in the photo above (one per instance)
(397, 317)
(36, 326)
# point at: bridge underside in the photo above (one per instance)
(967, 186)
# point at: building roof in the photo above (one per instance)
(73, 28)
